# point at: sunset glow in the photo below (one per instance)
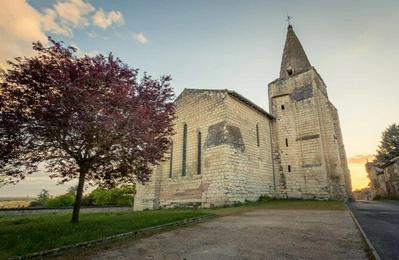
(358, 171)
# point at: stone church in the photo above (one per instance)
(228, 150)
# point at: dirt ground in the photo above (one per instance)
(259, 234)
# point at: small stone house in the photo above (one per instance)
(377, 179)
(391, 172)
(384, 178)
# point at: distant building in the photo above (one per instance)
(363, 194)
(228, 150)
(377, 181)
(384, 178)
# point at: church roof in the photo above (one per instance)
(294, 60)
(250, 103)
(233, 94)
(396, 159)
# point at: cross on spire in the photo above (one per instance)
(289, 20)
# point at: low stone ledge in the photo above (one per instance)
(149, 230)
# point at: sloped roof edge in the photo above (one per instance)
(391, 161)
(233, 94)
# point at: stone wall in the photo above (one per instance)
(391, 174)
(384, 178)
(341, 150)
(250, 173)
(376, 175)
(233, 168)
(199, 110)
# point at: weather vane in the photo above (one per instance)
(289, 20)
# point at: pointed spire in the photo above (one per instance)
(294, 59)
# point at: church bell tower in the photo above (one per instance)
(309, 153)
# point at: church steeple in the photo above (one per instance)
(294, 60)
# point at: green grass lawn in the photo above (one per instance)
(20, 235)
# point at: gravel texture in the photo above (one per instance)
(259, 234)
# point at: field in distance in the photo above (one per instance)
(15, 202)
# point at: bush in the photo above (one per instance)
(64, 200)
(122, 196)
(35, 204)
(88, 200)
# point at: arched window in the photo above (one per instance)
(199, 153)
(171, 161)
(184, 163)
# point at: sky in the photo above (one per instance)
(233, 44)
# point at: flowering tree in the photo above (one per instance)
(85, 117)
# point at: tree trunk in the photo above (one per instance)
(78, 197)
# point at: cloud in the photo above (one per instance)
(74, 12)
(20, 25)
(103, 19)
(361, 159)
(22, 19)
(140, 38)
(50, 24)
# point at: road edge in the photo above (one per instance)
(369, 244)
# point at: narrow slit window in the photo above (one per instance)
(171, 161)
(184, 163)
(286, 142)
(199, 153)
(289, 168)
(282, 107)
(257, 135)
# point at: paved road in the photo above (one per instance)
(260, 234)
(380, 222)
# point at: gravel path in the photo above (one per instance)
(260, 234)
